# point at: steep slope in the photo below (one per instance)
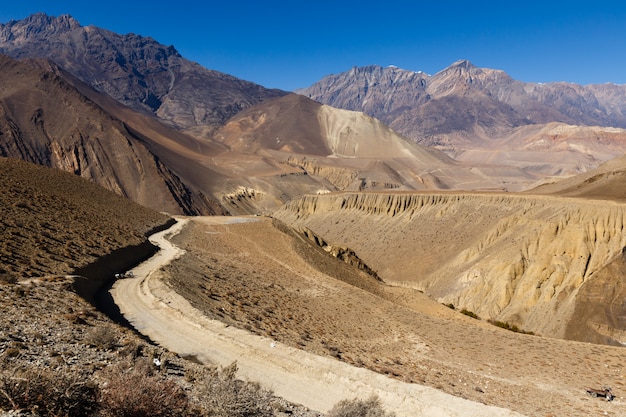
(135, 70)
(44, 119)
(54, 222)
(465, 110)
(350, 150)
(387, 93)
(536, 262)
(298, 295)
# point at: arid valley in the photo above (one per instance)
(175, 241)
(261, 276)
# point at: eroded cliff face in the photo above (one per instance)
(548, 265)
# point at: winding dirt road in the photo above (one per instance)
(314, 381)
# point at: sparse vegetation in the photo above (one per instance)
(47, 392)
(137, 392)
(469, 314)
(132, 388)
(47, 228)
(222, 395)
(510, 327)
(101, 337)
(359, 408)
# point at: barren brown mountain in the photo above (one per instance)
(481, 115)
(263, 157)
(605, 182)
(260, 275)
(135, 70)
(366, 248)
(352, 151)
(539, 263)
(79, 136)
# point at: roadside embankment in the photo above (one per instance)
(97, 277)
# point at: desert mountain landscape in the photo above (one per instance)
(459, 235)
(137, 71)
(483, 115)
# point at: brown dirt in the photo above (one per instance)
(262, 277)
(54, 222)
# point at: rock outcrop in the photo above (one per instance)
(544, 264)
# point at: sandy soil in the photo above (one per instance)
(250, 274)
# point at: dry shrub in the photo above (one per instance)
(138, 392)
(222, 395)
(7, 278)
(102, 337)
(359, 408)
(48, 393)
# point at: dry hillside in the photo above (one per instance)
(54, 223)
(59, 356)
(539, 263)
(265, 277)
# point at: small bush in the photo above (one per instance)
(469, 313)
(102, 337)
(222, 395)
(509, 327)
(48, 393)
(11, 352)
(359, 408)
(136, 392)
(6, 278)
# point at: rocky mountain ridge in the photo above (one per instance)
(463, 109)
(388, 93)
(135, 70)
(136, 156)
(83, 138)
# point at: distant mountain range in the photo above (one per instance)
(482, 115)
(261, 158)
(137, 118)
(480, 101)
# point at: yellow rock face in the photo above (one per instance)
(547, 265)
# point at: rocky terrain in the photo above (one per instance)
(270, 280)
(59, 355)
(376, 251)
(540, 263)
(484, 116)
(605, 183)
(261, 158)
(55, 223)
(83, 138)
(135, 70)
(392, 94)
(351, 151)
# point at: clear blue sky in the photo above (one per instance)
(292, 44)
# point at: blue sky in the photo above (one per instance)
(292, 44)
